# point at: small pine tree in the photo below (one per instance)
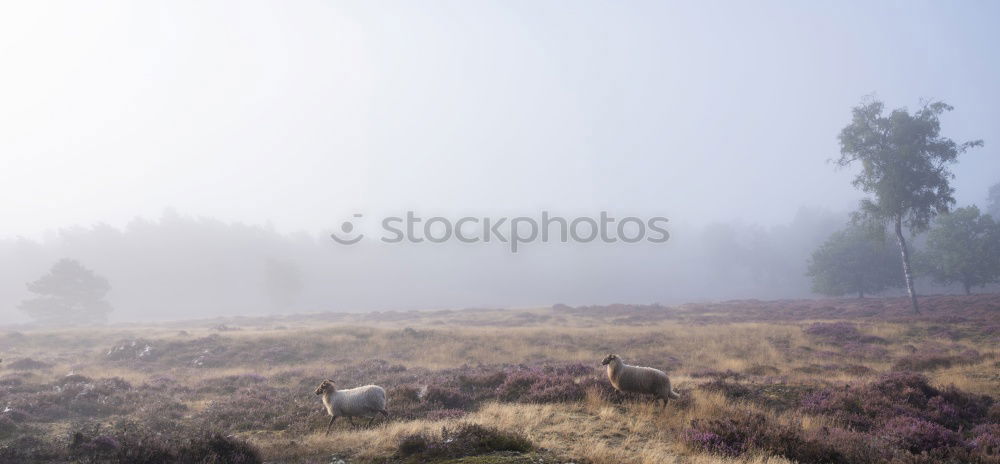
(69, 294)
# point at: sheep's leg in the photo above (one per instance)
(332, 418)
(351, 418)
(386, 414)
(372, 420)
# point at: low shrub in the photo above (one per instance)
(837, 333)
(218, 449)
(279, 354)
(74, 396)
(516, 385)
(9, 381)
(28, 364)
(230, 384)
(864, 351)
(15, 415)
(248, 409)
(855, 447)
(918, 435)
(100, 448)
(717, 374)
(774, 395)
(484, 381)
(413, 444)
(554, 389)
(465, 440)
(852, 369)
(30, 448)
(930, 360)
(449, 398)
(986, 439)
(445, 414)
(712, 442)
(745, 431)
(731, 390)
(403, 393)
(133, 350)
(762, 370)
(143, 446)
(539, 385)
(899, 394)
(7, 426)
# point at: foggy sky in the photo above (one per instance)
(304, 113)
(190, 151)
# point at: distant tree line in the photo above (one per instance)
(181, 266)
(962, 247)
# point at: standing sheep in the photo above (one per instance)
(366, 401)
(636, 379)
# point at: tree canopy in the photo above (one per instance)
(69, 294)
(904, 169)
(963, 247)
(854, 261)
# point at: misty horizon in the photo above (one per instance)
(199, 157)
(181, 267)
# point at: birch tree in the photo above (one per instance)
(904, 169)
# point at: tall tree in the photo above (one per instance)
(69, 294)
(856, 261)
(993, 202)
(964, 247)
(904, 169)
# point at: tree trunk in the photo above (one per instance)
(968, 288)
(906, 264)
(861, 294)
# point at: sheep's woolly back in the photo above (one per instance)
(637, 379)
(363, 401)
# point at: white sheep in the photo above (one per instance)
(366, 401)
(636, 379)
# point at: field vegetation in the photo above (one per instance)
(835, 381)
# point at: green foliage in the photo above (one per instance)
(904, 162)
(854, 261)
(69, 294)
(963, 247)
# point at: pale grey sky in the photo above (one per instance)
(301, 113)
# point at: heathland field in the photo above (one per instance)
(837, 381)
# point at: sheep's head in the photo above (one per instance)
(609, 358)
(326, 386)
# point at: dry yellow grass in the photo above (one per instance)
(638, 433)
